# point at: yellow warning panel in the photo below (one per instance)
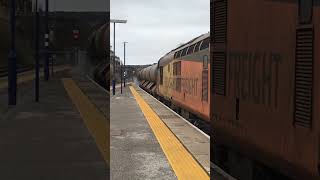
(181, 161)
(95, 121)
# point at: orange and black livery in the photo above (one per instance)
(265, 88)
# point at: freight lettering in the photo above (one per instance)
(254, 77)
(168, 82)
(188, 85)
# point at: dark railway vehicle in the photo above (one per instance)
(100, 56)
(181, 78)
(149, 79)
(265, 88)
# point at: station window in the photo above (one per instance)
(191, 48)
(305, 11)
(205, 44)
(196, 49)
(184, 51)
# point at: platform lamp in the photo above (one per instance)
(114, 21)
(36, 47)
(12, 58)
(124, 63)
(46, 43)
(121, 75)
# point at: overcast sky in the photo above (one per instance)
(155, 27)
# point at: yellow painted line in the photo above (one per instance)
(95, 121)
(181, 161)
(28, 76)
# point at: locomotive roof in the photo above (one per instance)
(169, 56)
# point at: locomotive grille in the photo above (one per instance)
(177, 74)
(211, 21)
(304, 77)
(219, 59)
(205, 85)
(219, 21)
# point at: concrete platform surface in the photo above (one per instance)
(135, 152)
(47, 140)
(195, 141)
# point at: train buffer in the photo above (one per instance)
(150, 141)
(64, 136)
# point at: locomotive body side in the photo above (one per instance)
(183, 77)
(191, 83)
(265, 103)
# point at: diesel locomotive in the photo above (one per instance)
(265, 88)
(259, 87)
(181, 78)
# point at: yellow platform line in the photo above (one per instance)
(181, 161)
(28, 76)
(95, 121)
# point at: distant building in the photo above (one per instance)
(23, 7)
(77, 5)
(117, 58)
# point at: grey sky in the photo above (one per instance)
(157, 26)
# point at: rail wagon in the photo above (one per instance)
(265, 88)
(148, 78)
(98, 43)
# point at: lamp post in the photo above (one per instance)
(37, 67)
(114, 21)
(46, 43)
(121, 73)
(124, 64)
(12, 58)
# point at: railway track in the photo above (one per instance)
(20, 69)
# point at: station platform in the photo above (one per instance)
(150, 141)
(64, 136)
